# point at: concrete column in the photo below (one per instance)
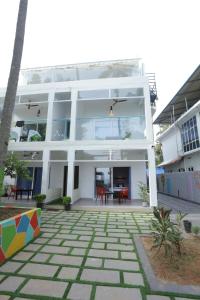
(70, 179)
(50, 116)
(45, 171)
(73, 115)
(152, 177)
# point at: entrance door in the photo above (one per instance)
(65, 180)
(122, 179)
(103, 178)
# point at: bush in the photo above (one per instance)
(66, 200)
(40, 198)
(196, 230)
(143, 192)
(166, 234)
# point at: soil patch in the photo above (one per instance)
(9, 212)
(184, 269)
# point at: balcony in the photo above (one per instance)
(60, 129)
(29, 131)
(113, 128)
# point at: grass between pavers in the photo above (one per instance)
(87, 220)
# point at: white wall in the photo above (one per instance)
(87, 176)
(171, 144)
(56, 175)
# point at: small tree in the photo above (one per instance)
(143, 192)
(15, 167)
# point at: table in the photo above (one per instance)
(112, 193)
(21, 191)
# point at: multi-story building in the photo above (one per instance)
(180, 142)
(84, 125)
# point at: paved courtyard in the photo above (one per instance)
(81, 256)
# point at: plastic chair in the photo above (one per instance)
(100, 193)
(12, 193)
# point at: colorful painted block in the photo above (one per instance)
(17, 231)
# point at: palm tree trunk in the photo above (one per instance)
(11, 91)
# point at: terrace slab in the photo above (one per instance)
(120, 247)
(78, 251)
(80, 291)
(39, 270)
(23, 255)
(76, 244)
(129, 255)
(94, 262)
(106, 240)
(46, 288)
(40, 257)
(117, 293)
(11, 284)
(100, 276)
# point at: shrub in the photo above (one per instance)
(40, 198)
(166, 234)
(196, 230)
(143, 192)
(66, 200)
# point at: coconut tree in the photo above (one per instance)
(11, 91)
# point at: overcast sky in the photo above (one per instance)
(164, 33)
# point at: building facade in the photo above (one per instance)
(181, 141)
(80, 126)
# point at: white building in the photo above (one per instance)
(84, 125)
(180, 142)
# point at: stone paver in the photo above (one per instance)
(80, 292)
(156, 297)
(80, 244)
(11, 284)
(46, 288)
(33, 247)
(120, 247)
(23, 255)
(4, 297)
(40, 257)
(98, 245)
(39, 270)
(117, 293)
(103, 253)
(10, 266)
(78, 251)
(68, 273)
(133, 278)
(94, 262)
(128, 255)
(106, 240)
(121, 264)
(2, 277)
(66, 260)
(55, 249)
(101, 276)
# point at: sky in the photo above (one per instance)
(165, 34)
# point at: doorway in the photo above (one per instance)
(113, 179)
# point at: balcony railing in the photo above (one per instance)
(113, 128)
(60, 129)
(29, 131)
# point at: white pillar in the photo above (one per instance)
(50, 116)
(45, 172)
(73, 115)
(70, 175)
(152, 177)
(148, 113)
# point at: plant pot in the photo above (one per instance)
(187, 226)
(67, 206)
(40, 205)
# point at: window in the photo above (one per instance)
(93, 94)
(76, 177)
(62, 96)
(189, 134)
(127, 92)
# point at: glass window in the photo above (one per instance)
(93, 94)
(61, 96)
(189, 134)
(127, 92)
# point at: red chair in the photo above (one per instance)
(123, 194)
(12, 193)
(100, 193)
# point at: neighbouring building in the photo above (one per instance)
(181, 142)
(83, 125)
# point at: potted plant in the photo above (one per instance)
(39, 198)
(196, 231)
(143, 194)
(67, 202)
